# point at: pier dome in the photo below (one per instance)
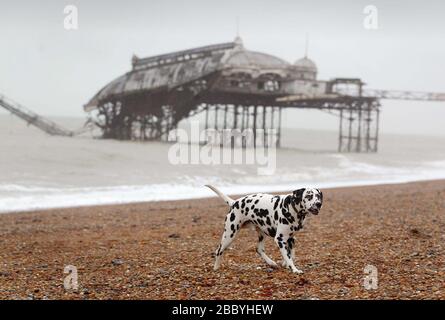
(245, 58)
(306, 69)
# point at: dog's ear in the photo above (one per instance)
(321, 194)
(298, 195)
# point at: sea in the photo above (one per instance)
(38, 171)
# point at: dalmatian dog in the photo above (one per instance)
(279, 217)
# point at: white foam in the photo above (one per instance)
(28, 198)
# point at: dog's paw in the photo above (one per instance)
(294, 269)
(297, 271)
(216, 266)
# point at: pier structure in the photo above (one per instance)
(235, 88)
(231, 87)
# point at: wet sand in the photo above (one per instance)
(163, 250)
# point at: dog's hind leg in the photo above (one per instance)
(260, 249)
(231, 228)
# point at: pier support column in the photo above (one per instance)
(358, 130)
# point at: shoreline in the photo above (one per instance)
(247, 189)
(164, 250)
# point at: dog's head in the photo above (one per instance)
(307, 200)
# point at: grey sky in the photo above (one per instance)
(54, 71)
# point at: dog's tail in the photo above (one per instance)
(227, 199)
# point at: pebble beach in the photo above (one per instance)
(164, 250)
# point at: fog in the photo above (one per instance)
(55, 71)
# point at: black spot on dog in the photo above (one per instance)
(276, 203)
(268, 221)
(232, 227)
(301, 216)
(286, 201)
(256, 201)
(309, 197)
(260, 238)
(288, 216)
(275, 216)
(272, 231)
(232, 217)
(263, 213)
(284, 221)
(236, 205)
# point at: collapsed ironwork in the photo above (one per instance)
(237, 89)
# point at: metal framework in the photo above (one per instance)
(359, 127)
(259, 125)
(358, 120)
(33, 119)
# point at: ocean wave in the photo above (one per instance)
(346, 172)
(75, 197)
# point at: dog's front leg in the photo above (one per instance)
(286, 248)
(291, 242)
